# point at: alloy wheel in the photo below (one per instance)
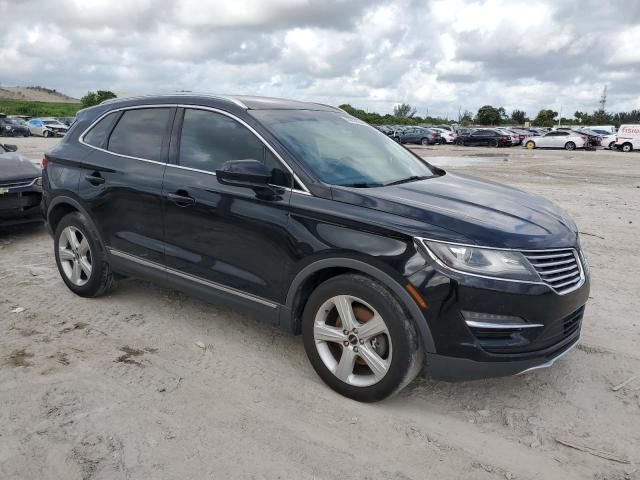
(352, 340)
(75, 256)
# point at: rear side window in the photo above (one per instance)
(210, 139)
(97, 136)
(139, 133)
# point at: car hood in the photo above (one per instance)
(479, 211)
(14, 167)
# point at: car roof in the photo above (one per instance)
(245, 102)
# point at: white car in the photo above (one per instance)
(556, 139)
(628, 138)
(447, 135)
(46, 127)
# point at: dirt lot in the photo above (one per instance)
(148, 383)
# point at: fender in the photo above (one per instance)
(286, 314)
(62, 199)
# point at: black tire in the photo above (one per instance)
(407, 359)
(496, 144)
(46, 134)
(101, 278)
(569, 146)
(626, 147)
(424, 141)
(27, 133)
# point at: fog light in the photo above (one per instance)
(492, 320)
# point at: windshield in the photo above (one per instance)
(342, 150)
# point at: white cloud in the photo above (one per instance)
(438, 55)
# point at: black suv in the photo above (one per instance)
(325, 227)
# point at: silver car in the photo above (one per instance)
(46, 127)
(556, 139)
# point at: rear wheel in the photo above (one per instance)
(358, 338)
(627, 147)
(80, 257)
(569, 146)
(531, 145)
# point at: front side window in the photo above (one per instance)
(98, 134)
(139, 133)
(210, 139)
(342, 150)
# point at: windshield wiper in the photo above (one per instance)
(412, 178)
(360, 185)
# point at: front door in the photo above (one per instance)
(224, 235)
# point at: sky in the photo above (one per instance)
(441, 56)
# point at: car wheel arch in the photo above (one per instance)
(321, 270)
(60, 207)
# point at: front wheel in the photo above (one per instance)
(530, 145)
(46, 134)
(627, 147)
(569, 146)
(80, 257)
(358, 338)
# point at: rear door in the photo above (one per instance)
(225, 237)
(121, 182)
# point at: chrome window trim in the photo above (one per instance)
(193, 278)
(421, 242)
(178, 94)
(304, 191)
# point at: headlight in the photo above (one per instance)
(501, 264)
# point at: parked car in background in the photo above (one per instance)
(421, 135)
(628, 138)
(557, 139)
(12, 128)
(46, 127)
(485, 136)
(448, 136)
(515, 138)
(607, 128)
(20, 188)
(607, 140)
(593, 137)
(383, 263)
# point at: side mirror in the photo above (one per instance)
(11, 148)
(248, 173)
(244, 173)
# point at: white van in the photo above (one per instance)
(628, 138)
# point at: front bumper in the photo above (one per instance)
(20, 204)
(466, 352)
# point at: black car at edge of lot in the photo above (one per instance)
(20, 188)
(323, 226)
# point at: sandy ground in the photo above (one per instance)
(121, 387)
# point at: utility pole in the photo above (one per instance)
(603, 99)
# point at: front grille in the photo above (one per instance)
(17, 183)
(560, 269)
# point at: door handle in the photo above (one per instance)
(95, 178)
(181, 198)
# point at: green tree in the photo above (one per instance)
(95, 98)
(404, 110)
(489, 115)
(545, 118)
(518, 117)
